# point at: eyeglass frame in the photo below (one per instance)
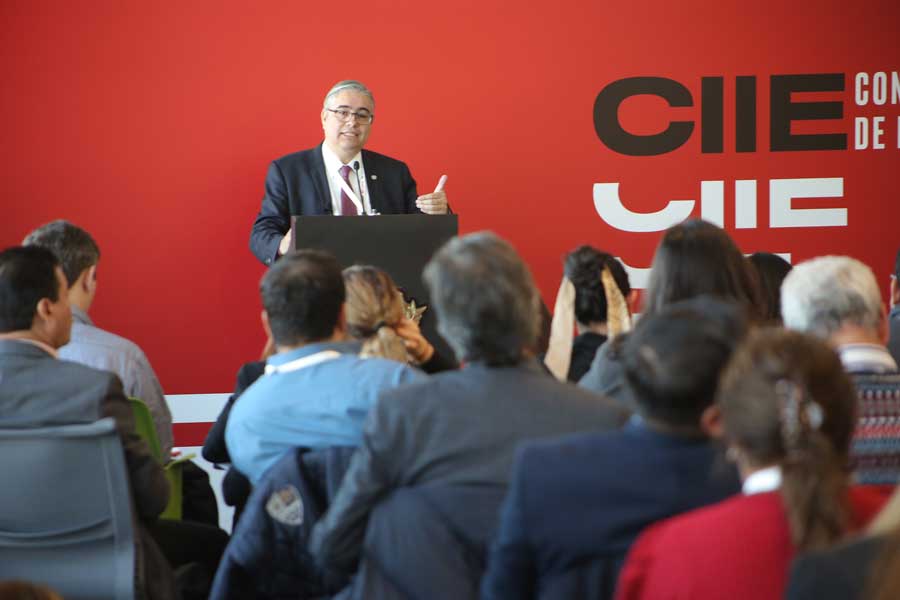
(356, 115)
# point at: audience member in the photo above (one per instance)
(771, 270)
(866, 569)
(693, 258)
(236, 487)
(837, 299)
(79, 256)
(316, 391)
(596, 295)
(576, 505)
(38, 390)
(376, 316)
(788, 411)
(894, 336)
(460, 428)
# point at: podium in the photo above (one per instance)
(401, 245)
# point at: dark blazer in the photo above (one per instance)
(296, 185)
(456, 428)
(577, 504)
(894, 339)
(840, 573)
(37, 390)
(607, 374)
(267, 555)
(236, 487)
(427, 541)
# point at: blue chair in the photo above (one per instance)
(65, 511)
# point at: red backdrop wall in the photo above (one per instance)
(152, 124)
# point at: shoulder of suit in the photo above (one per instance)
(302, 156)
(369, 158)
(73, 371)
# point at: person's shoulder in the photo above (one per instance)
(83, 377)
(93, 339)
(371, 157)
(298, 157)
(568, 453)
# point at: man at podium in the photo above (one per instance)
(337, 177)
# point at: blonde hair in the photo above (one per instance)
(374, 307)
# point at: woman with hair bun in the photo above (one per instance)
(375, 314)
(788, 413)
(595, 299)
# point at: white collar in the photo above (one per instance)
(333, 164)
(302, 362)
(871, 358)
(764, 480)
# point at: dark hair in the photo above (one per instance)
(786, 400)
(374, 307)
(72, 245)
(302, 294)
(694, 258)
(27, 275)
(673, 359)
(771, 270)
(485, 299)
(583, 267)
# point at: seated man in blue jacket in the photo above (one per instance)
(316, 391)
(576, 505)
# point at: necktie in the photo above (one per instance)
(347, 206)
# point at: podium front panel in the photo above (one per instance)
(400, 244)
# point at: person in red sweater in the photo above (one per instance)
(788, 412)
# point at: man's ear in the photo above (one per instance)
(340, 328)
(88, 280)
(264, 317)
(632, 300)
(43, 311)
(711, 422)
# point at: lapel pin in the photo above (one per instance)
(374, 177)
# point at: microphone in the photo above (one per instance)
(359, 186)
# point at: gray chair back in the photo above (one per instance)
(65, 510)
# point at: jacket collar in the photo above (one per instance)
(79, 316)
(23, 347)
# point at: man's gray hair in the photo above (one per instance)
(486, 302)
(821, 295)
(348, 84)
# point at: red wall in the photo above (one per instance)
(151, 125)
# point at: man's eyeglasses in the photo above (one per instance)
(343, 115)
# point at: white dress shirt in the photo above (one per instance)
(357, 181)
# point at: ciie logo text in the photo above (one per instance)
(878, 89)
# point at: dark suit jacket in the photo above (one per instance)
(37, 390)
(577, 504)
(840, 573)
(296, 185)
(894, 339)
(456, 428)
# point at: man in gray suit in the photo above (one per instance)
(461, 428)
(37, 390)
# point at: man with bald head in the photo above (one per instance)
(337, 177)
